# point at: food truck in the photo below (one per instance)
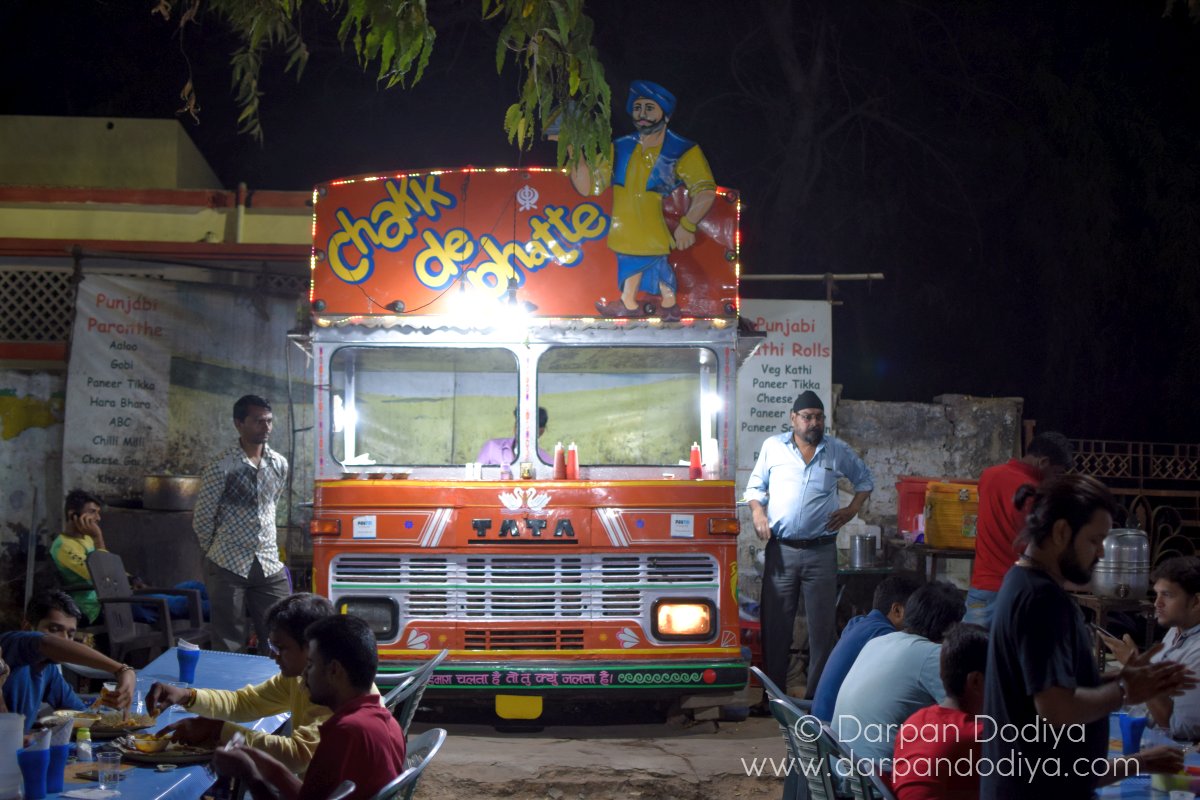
(455, 313)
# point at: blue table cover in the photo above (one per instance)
(214, 671)
(1138, 788)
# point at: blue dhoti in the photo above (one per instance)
(654, 270)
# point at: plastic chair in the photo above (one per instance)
(421, 751)
(794, 785)
(811, 745)
(403, 700)
(116, 598)
(343, 790)
(863, 785)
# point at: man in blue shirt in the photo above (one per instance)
(793, 497)
(28, 677)
(887, 615)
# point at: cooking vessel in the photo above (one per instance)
(862, 551)
(1124, 569)
(170, 492)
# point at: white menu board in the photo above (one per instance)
(797, 355)
(117, 383)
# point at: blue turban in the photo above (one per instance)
(650, 91)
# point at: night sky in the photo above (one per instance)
(1025, 174)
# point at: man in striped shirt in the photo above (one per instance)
(234, 522)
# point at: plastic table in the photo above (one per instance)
(214, 671)
(1139, 788)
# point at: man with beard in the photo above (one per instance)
(793, 498)
(645, 167)
(1042, 681)
(234, 523)
(360, 742)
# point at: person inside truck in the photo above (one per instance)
(496, 452)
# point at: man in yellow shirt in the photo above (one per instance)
(219, 709)
(644, 167)
(70, 549)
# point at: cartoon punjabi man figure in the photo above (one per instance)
(646, 166)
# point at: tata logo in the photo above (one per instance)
(527, 528)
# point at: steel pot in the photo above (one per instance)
(1124, 570)
(862, 551)
(170, 492)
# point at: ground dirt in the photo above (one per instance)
(647, 761)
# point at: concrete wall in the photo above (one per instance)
(31, 431)
(101, 152)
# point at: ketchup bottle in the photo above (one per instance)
(572, 463)
(695, 468)
(560, 463)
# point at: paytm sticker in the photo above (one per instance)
(682, 526)
(364, 527)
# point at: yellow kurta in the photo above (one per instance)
(638, 227)
(275, 695)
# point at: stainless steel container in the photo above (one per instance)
(1124, 569)
(170, 492)
(862, 551)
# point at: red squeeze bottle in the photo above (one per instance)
(572, 463)
(695, 468)
(560, 463)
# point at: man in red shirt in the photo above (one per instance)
(935, 745)
(361, 742)
(1000, 523)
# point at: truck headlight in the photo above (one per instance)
(685, 619)
(381, 613)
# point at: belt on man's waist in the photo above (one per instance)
(804, 544)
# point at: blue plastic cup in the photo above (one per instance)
(34, 764)
(187, 664)
(58, 764)
(1131, 733)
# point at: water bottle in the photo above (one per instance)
(83, 746)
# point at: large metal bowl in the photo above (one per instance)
(170, 492)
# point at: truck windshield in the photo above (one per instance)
(635, 406)
(419, 406)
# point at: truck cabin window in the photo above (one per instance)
(630, 406)
(419, 406)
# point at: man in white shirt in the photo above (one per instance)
(1176, 606)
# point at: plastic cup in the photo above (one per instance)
(1131, 733)
(55, 770)
(108, 769)
(34, 765)
(187, 664)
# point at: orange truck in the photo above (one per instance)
(455, 317)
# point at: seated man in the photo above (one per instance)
(361, 742)
(930, 743)
(69, 552)
(887, 615)
(286, 622)
(28, 677)
(497, 452)
(896, 674)
(1176, 607)
(70, 549)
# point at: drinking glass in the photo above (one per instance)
(108, 769)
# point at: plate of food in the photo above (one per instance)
(116, 724)
(154, 749)
(79, 719)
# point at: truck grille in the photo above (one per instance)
(511, 587)
(486, 639)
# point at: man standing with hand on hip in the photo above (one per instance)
(792, 494)
(235, 525)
